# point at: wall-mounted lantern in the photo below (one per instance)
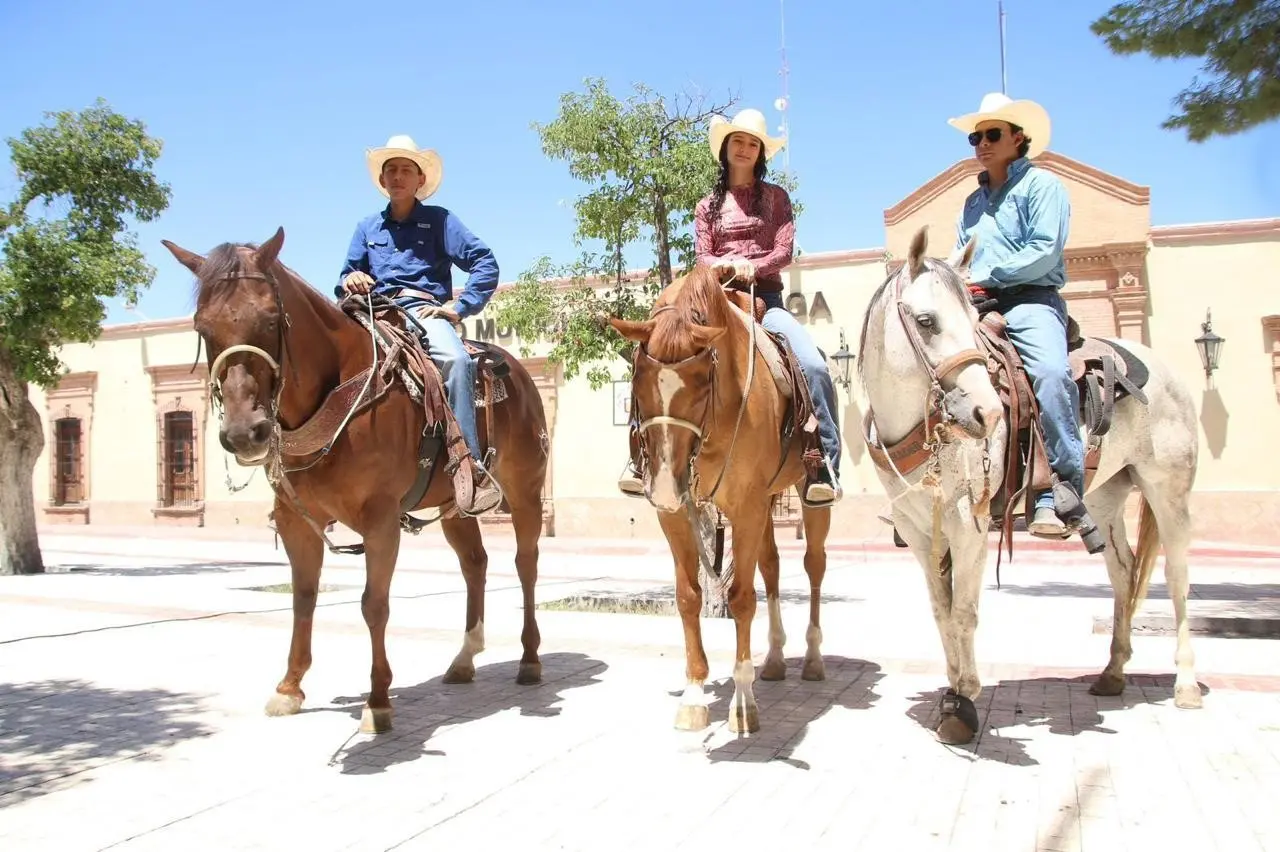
(1210, 346)
(843, 359)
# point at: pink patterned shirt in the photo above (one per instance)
(766, 240)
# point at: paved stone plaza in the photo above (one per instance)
(133, 677)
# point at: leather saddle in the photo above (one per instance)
(1104, 372)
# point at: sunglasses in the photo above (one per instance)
(993, 135)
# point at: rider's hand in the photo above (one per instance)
(357, 282)
(445, 313)
(981, 299)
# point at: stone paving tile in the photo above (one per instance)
(153, 736)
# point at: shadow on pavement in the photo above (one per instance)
(422, 709)
(1063, 704)
(789, 707)
(55, 729)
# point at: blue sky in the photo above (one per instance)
(266, 108)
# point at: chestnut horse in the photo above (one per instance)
(278, 352)
(712, 428)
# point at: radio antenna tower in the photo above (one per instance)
(783, 103)
(1004, 82)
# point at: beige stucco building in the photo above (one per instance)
(131, 439)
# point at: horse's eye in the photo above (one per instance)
(927, 321)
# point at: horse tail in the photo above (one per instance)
(1144, 562)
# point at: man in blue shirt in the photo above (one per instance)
(405, 252)
(1020, 215)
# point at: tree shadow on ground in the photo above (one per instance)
(419, 711)
(155, 569)
(788, 708)
(1062, 704)
(54, 730)
(1156, 592)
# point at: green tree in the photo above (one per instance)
(64, 247)
(1239, 41)
(647, 164)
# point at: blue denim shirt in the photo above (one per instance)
(1021, 229)
(416, 256)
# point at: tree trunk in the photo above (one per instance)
(21, 441)
(660, 229)
(715, 600)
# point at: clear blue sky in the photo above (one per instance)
(266, 109)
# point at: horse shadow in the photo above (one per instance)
(1064, 705)
(421, 710)
(788, 709)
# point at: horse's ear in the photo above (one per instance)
(635, 331)
(705, 335)
(189, 259)
(915, 255)
(962, 257)
(270, 250)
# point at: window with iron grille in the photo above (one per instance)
(177, 460)
(68, 468)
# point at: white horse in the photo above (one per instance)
(941, 510)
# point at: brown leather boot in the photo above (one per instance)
(631, 483)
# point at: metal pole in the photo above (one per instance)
(1004, 82)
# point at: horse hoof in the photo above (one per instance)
(814, 670)
(529, 674)
(1187, 696)
(952, 731)
(1107, 684)
(283, 705)
(460, 673)
(693, 717)
(375, 720)
(744, 720)
(959, 719)
(774, 669)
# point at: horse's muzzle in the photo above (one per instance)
(248, 439)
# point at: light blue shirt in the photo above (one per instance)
(1021, 229)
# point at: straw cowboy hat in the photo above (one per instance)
(750, 121)
(1028, 115)
(403, 146)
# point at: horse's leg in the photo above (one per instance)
(381, 522)
(306, 555)
(968, 563)
(919, 540)
(693, 714)
(1106, 506)
(775, 662)
(817, 525)
(527, 521)
(463, 535)
(1169, 523)
(748, 536)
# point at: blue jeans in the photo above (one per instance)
(445, 348)
(1037, 318)
(779, 320)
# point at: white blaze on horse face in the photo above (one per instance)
(666, 494)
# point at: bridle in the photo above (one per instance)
(282, 346)
(701, 432)
(936, 416)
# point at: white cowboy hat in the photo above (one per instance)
(750, 121)
(403, 146)
(1028, 115)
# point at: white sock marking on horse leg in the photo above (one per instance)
(777, 635)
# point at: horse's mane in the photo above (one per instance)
(699, 300)
(949, 277)
(221, 267)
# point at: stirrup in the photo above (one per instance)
(630, 483)
(827, 493)
(487, 484)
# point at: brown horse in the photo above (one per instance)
(713, 394)
(286, 363)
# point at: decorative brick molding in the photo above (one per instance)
(1271, 337)
(177, 387)
(72, 399)
(1216, 233)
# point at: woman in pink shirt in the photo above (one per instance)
(745, 224)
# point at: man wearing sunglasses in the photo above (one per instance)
(1020, 215)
